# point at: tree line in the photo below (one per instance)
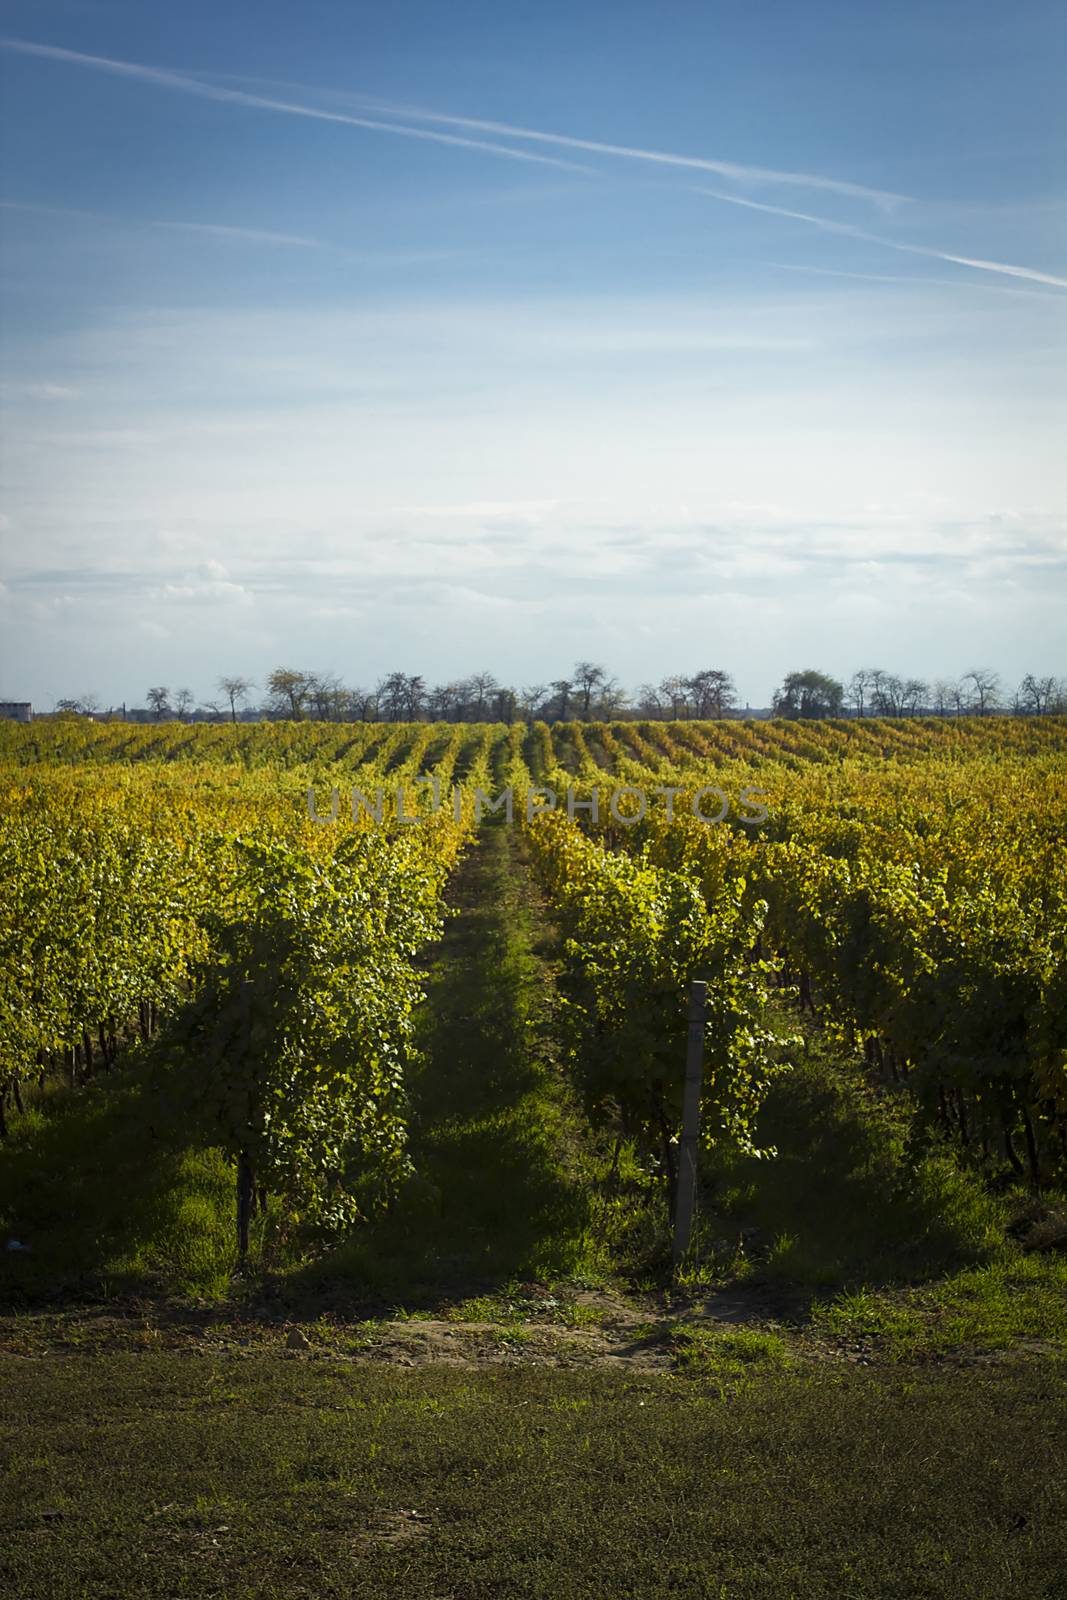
(871, 691)
(589, 693)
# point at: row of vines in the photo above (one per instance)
(268, 959)
(907, 883)
(912, 895)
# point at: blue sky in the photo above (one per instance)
(438, 338)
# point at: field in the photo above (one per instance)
(341, 1151)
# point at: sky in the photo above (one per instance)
(443, 338)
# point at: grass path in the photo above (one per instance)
(500, 1149)
(495, 1128)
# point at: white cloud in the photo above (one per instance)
(15, 392)
(488, 484)
(199, 592)
(531, 511)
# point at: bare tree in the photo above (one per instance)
(587, 678)
(564, 688)
(322, 690)
(158, 701)
(505, 704)
(943, 696)
(986, 689)
(480, 687)
(184, 701)
(1037, 695)
(877, 689)
(531, 700)
(362, 705)
(889, 696)
(893, 696)
(327, 696)
(290, 690)
(235, 689)
(915, 696)
(393, 696)
(675, 693)
(858, 685)
(439, 701)
(416, 692)
(713, 692)
(649, 700)
(86, 705)
(611, 700)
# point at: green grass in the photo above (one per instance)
(872, 1233)
(729, 1354)
(1014, 1300)
(151, 1476)
(503, 1191)
(109, 1200)
(518, 1303)
(857, 1194)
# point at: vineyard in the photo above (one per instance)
(213, 893)
(363, 1047)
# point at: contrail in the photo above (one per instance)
(900, 277)
(209, 91)
(257, 235)
(224, 230)
(725, 169)
(185, 84)
(1002, 267)
(48, 211)
(205, 91)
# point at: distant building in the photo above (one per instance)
(16, 711)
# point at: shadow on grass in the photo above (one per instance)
(493, 1200)
(115, 1198)
(855, 1195)
(108, 1200)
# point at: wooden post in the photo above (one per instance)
(687, 1158)
(245, 1199)
(246, 1178)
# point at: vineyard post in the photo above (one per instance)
(245, 1173)
(687, 1163)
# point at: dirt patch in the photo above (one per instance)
(395, 1529)
(475, 1344)
(753, 1305)
(621, 1336)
